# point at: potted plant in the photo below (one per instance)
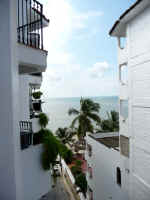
(37, 95)
(43, 120)
(37, 106)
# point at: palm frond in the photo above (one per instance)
(94, 117)
(73, 111)
(89, 105)
(74, 122)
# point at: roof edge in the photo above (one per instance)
(123, 15)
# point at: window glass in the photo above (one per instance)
(118, 176)
(124, 74)
(124, 109)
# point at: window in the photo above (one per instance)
(90, 192)
(123, 74)
(124, 145)
(118, 176)
(124, 109)
(90, 172)
(122, 42)
(89, 149)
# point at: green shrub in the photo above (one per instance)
(68, 157)
(81, 182)
(78, 163)
(43, 120)
(45, 160)
(76, 170)
(37, 95)
(51, 150)
(65, 153)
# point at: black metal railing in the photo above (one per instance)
(26, 134)
(30, 23)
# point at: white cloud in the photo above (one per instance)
(89, 14)
(64, 22)
(64, 76)
(91, 33)
(98, 69)
(74, 80)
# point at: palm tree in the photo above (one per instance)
(111, 124)
(88, 112)
(65, 135)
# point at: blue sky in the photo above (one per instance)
(82, 58)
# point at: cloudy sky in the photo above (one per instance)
(82, 58)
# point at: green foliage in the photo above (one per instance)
(88, 112)
(111, 124)
(65, 153)
(45, 161)
(68, 156)
(43, 120)
(61, 132)
(51, 150)
(78, 163)
(76, 170)
(65, 135)
(37, 95)
(81, 182)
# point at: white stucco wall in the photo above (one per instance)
(36, 181)
(104, 162)
(15, 165)
(24, 97)
(139, 96)
(9, 111)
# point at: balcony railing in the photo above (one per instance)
(25, 134)
(30, 23)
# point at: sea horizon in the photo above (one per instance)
(57, 109)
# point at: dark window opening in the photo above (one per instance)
(118, 176)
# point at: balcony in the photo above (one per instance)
(31, 21)
(25, 134)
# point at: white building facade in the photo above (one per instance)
(133, 61)
(105, 173)
(23, 59)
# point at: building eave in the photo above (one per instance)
(119, 27)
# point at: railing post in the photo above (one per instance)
(27, 19)
(30, 23)
(42, 27)
(23, 21)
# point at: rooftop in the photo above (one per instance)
(110, 140)
(119, 27)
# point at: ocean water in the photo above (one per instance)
(57, 109)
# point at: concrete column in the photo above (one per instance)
(9, 101)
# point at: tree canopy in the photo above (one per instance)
(111, 124)
(88, 112)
